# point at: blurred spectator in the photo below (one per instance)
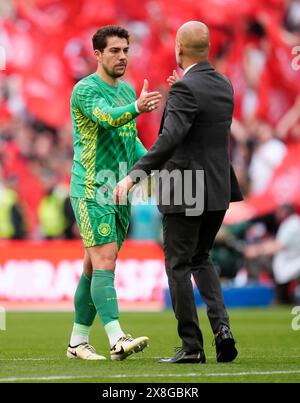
(71, 230)
(288, 128)
(51, 210)
(292, 17)
(267, 155)
(227, 253)
(285, 250)
(12, 225)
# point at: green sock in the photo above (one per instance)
(85, 310)
(104, 295)
(105, 299)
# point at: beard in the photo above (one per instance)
(114, 73)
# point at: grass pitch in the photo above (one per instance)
(33, 349)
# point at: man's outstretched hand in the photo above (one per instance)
(148, 101)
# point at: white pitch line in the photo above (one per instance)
(51, 378)
(28, 359)
(209, 357)
(213, 357)
(48, 378)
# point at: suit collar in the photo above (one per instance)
(189, 68)
(203, 66)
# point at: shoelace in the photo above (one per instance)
(225, 332)
(90, 348)
(126, 338)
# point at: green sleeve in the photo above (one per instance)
(97, 109)
(140, 150)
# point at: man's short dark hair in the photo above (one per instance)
(100, 37)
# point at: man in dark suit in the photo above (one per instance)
(194, 139)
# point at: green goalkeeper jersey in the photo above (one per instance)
(105, 135)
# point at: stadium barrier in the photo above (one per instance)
(44, 275)
(254, 295)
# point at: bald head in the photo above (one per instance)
(193, 40)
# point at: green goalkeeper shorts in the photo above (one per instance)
(98, 225)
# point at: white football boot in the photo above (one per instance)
(126, 346)
(84, 351)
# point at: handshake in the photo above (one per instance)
(149, 101)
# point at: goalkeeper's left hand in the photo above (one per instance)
(121, 190)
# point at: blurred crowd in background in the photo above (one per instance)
(255, 43)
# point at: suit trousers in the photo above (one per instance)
(187, 243)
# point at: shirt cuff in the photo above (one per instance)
(136, 107)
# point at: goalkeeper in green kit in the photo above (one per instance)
(106, 146)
